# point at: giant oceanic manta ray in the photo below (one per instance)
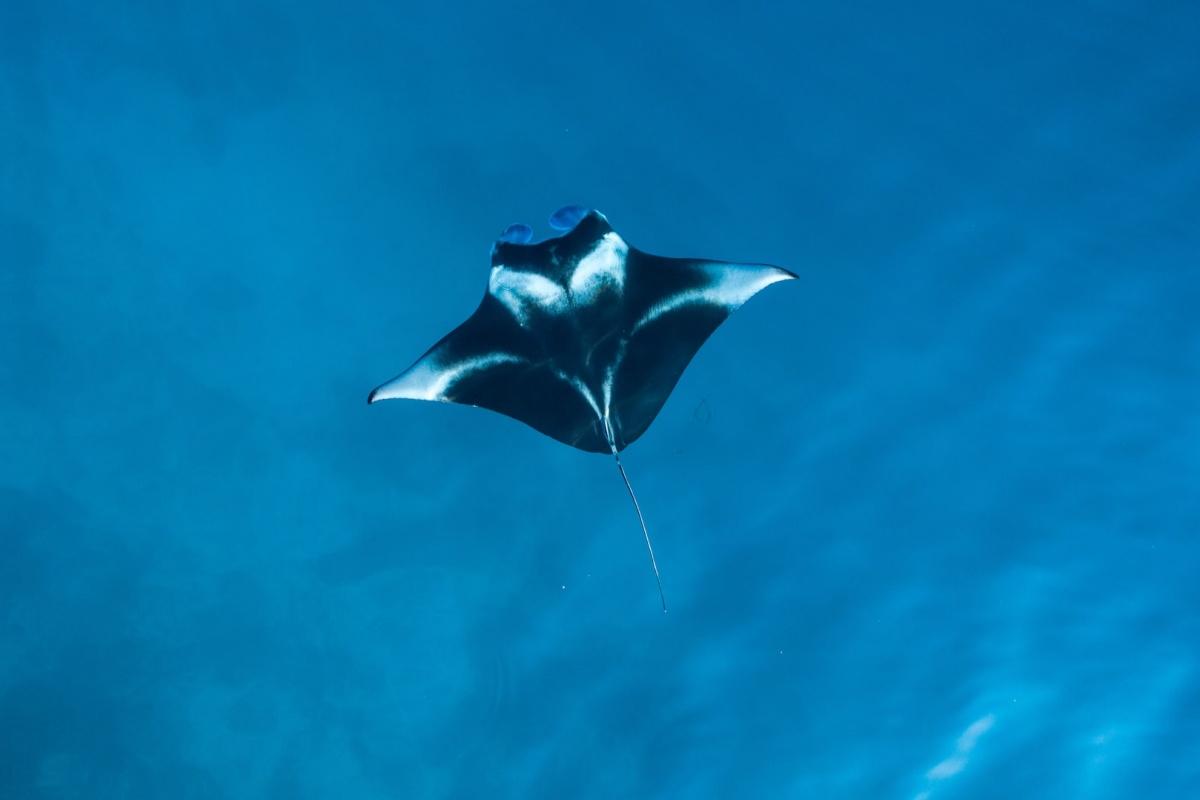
(581, 336)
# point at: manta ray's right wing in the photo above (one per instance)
(674, 305)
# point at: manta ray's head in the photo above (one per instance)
(561, 274)
(579, 229)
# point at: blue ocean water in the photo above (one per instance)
(927, 518)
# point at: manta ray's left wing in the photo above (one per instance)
(490, 362)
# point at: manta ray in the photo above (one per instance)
(582, 336)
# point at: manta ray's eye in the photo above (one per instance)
(517, 233)
(567, 217)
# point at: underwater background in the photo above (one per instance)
(927, 517)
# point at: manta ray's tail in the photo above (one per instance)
(645, 533)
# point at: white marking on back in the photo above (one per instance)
(427, 381)
(583, 390)
(610, 375)
(732, 286)
(519, 291)
(603, 266)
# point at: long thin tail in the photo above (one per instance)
(645, 533)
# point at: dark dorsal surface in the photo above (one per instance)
(581, 329)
